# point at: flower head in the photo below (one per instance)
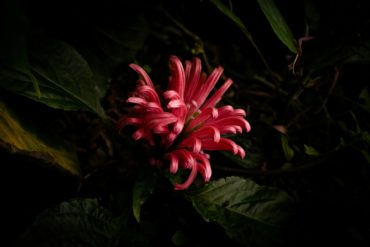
(188, 123)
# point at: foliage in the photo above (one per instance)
(19, 137)
(241, 206)
(300, 69)
(79, 222)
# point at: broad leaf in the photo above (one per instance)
(278, 24)
(143, 188)
(288, 151)
(79, 222)
(251, 214)
(66, 79)
(21, 136)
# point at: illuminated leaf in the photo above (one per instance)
(21, 136)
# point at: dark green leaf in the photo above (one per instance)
(309, 150)
(24, 136)
(251, 214)
(288, 151)
(143, 188)
(180, 238)
(278, 24)
(66, 79)
(79, 222)
(101, 74)
(365, 96)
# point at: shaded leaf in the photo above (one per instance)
(309, 150)
(248, 212)
(22, 136)
(288, 151)
(66, 79)
(101, 74)
(278, 24)
(143, 188)
(180, 238)
(79, 222)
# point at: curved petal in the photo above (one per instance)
(186, 157)
(176, 103)
(208, 132)
(189, 181)
(148, 93)
(142, 74)
(191, 143)
(137, 100)
(153, 107)
(193, 82)
(229, 121)
(159, 119)
(171, 94)
(224, 145)
(204, 167)
(200, 119)
(217, 96)
(174, 162)
(177, 79)
(208, 85)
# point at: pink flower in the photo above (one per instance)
(188, 123)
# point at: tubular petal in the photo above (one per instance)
(185, 120)
(223, 144)
(208, 85)
(204, 167)
(176, 103)
(148, 93)
(142, 74)
(189, 181)
(174, 163)
(207, 133)
(193, 80)
(177, 81)
(217, 96)
(137, 100)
